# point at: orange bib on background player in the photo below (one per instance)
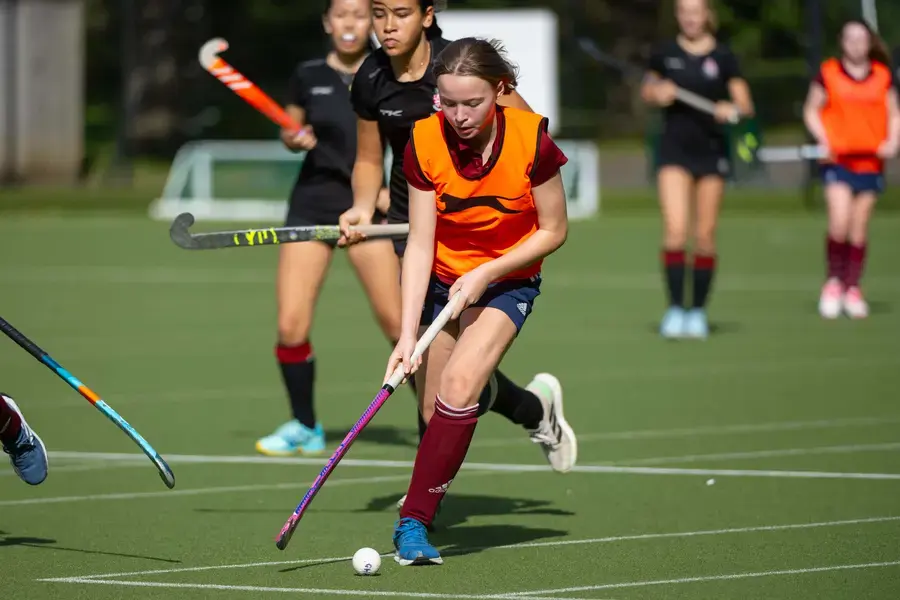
(479, 220)
(855, 116)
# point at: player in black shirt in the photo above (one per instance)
(393, 89)
(319, 99)
(693, 155)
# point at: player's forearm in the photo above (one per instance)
(366, 182)
(539, 245)
(813, 122)
(414, 278)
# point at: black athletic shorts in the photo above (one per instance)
(321, 203)
(713, 161)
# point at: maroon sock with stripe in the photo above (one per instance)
(856, 262)
(10, 423)
(440, 456)
(836, 255)
(298, 370)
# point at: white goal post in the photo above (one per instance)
(196, 183)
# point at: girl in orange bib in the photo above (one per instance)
(852, 110)
(486, 206)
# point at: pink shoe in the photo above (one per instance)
(830, 299)
(854, 304)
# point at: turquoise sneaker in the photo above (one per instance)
(412, 545)
(672, 326)
(27, 454)
(695, 324)
(292, 438)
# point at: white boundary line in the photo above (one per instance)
(318, 591)
(730, 576)
(495, 467)
(601, 540)
(687, 458)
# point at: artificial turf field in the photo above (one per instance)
(796, 420)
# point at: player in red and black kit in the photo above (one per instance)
(394, 88)
(693, 159)
(319, 99)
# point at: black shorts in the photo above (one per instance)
(713, 162)
(321, 203)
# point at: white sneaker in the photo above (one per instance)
(855, 305)
(830, 299)
(554, 434)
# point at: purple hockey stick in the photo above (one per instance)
(284, 536)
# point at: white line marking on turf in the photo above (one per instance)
(603, 540)
(712, 430)
(318, 591)
(849, 449)
(496, 467)
(730, 576)
(199, 491)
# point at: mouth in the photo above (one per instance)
(349, 38)
(390, 43)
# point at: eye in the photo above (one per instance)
(474, 103)
(378, 13)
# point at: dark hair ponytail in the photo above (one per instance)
(434, 30)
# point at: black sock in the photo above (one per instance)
(298, 369)
(673, 265)
(704, 270)
(517, 404)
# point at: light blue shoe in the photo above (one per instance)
(695, 324)
(28, 454)
(411, 543)
(292, 438)
(672, 326)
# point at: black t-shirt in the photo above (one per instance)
(324, 94)
(707, 75)
(378, 96)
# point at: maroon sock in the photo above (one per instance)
(673, 266)
(836, 258)
(10, 423)
(441, 453)
(298, 371)
(856, 262)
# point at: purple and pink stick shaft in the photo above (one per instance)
(284, 536)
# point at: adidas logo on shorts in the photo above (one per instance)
(523, 308)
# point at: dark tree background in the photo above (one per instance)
(146, 51)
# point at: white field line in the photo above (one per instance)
(315, 591)
(200, 491)
(713, 430)
(588, 541)
(727, 577)
(687, 458)
(495, 467)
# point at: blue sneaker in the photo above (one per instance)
(695, 324)
(411, 543)
(672, 326)
(28, 454)
(291, 438)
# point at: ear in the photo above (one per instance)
(428, 21)
(326, 25)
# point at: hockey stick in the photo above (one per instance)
(269, 236)
(397, 377)
(165, 472)
(253, 95)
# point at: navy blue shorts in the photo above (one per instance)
(859, 182)
(515, 297)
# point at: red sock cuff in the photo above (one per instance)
(454, 414)
(288, 355)
(705, 261)
(673, 257)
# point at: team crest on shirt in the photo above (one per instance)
(710, 68)
(436, 101)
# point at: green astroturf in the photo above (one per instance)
(180, 343)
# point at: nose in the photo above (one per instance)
(390, 23)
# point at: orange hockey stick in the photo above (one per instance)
(240, 85)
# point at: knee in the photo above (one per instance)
(389, 322)
(293, 328)
(674, 236)
(458, 389)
